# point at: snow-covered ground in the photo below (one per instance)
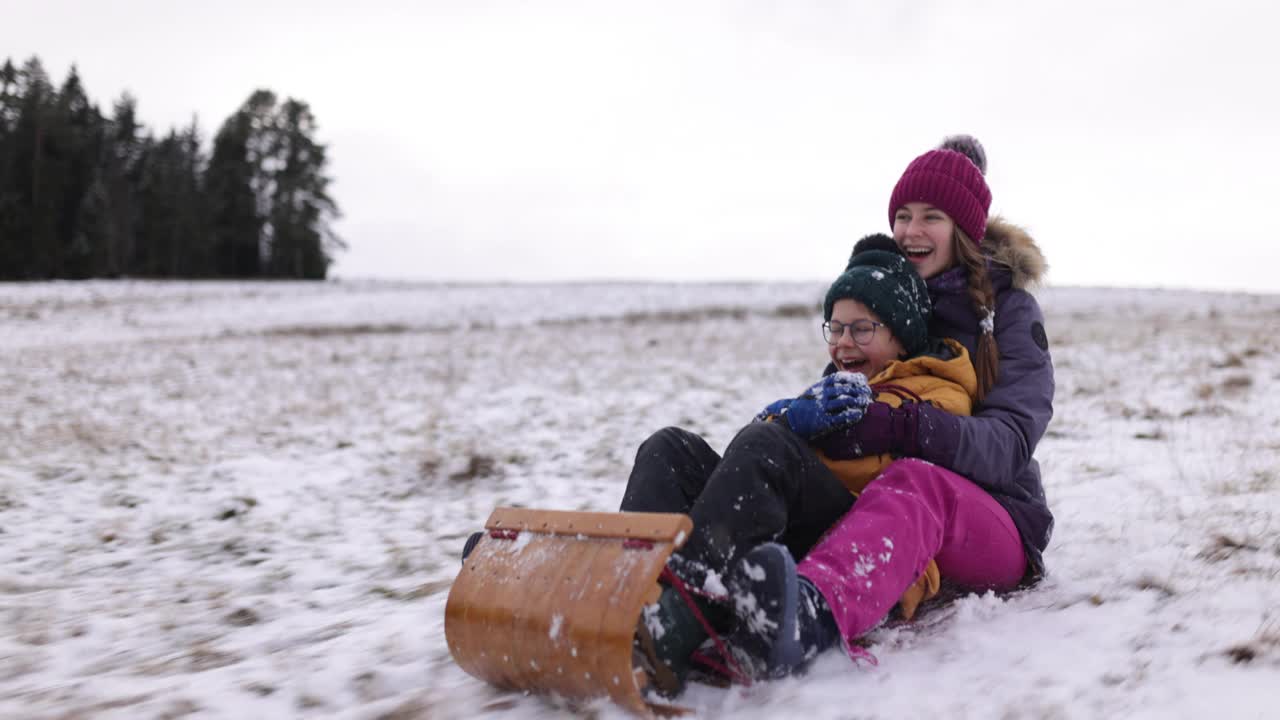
(247, 500)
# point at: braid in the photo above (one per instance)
(983, 298)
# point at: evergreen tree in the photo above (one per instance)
(10, 199)
(235, 180)
(271, 207)
(300, 234)
(192, 207)
(32, 229)
(78, 142)
(118, 170)
(174, 236)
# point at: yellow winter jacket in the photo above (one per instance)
(949, 384)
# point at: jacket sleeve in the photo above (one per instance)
(993, 446)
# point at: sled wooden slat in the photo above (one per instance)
(622, 525)
(548, 601)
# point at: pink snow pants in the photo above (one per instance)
(913, 512)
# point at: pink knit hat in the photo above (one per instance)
(950, 179)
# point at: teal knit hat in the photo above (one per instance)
(879, 277)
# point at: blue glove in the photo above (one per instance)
(843, 391)
(774, 409)
(835, 402)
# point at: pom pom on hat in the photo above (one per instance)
(968, 146)
(877, 241)
(880, 277)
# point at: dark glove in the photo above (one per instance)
(888, 429)
(914, 430)
(835, 402)
(774, 409)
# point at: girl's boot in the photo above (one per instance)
(783, 621)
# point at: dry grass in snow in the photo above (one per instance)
(247, 500)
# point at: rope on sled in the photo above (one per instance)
(730, 668)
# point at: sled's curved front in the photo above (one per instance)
(548, 601)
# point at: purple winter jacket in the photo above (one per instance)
(994, 446)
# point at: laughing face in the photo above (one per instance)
(925, 235)
(848, 354)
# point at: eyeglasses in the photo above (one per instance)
(862, 331)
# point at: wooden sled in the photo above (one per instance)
(548, 602)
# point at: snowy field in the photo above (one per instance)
(247, 500)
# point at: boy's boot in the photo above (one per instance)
(471, 544)
(783, 621)
(668, 634)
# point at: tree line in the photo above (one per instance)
(86, 195)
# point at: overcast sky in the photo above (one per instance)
(474, 140)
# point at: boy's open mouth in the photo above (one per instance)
(851, 364)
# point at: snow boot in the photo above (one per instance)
(783, 621)
(668, 633)
(471, 544)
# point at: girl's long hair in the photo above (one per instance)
(986, 362)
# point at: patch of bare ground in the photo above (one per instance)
(328, 331)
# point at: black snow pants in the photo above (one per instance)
(769, 486)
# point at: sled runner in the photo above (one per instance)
(549, 601)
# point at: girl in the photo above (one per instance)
(771, 483)
(967, 495)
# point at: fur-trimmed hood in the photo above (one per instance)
(1013, 247)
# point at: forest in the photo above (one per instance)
(87, 194)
